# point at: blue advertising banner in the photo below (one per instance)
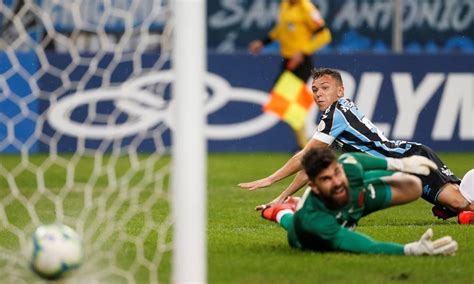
(428, 99)
(423, 98)
(18, 109)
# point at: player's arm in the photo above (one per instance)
(313, 17)
(321, 34)
(298, 182)
(359, 243)
(320, 39)
(366, 161)
(346, 240)
(257, 45)
(329, 128)
(290, 167)
(324, 226)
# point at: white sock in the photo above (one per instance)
(281, 213)
(467, 186)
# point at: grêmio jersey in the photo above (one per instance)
(343, 126)
(318, 227)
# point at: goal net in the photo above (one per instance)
(86, 131)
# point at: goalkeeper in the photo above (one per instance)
(343, 191)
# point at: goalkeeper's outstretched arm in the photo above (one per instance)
(346, 240)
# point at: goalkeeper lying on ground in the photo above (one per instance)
(343, 191)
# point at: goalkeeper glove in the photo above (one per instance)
(425, 246)
(415, 165)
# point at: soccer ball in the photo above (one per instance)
(56, 250)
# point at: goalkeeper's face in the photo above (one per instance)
(326, 90)
(332, 185)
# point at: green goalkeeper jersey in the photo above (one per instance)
(317, 227)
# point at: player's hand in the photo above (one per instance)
(255, 46)
(264, 182)
(415, 165)
(425, 246)
(275, 201)
(295, 61)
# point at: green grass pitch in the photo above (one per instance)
(244, 248)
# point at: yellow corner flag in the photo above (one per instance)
(290, 100)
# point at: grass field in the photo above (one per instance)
(244, 248)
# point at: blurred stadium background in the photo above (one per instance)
(431, 67)
(63, 131)
(422, 91)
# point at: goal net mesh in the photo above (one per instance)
(85, 134)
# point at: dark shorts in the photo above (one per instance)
(303, 71)
(434, 182)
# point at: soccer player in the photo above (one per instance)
(300, 31)
(342, 125)
(342, 192)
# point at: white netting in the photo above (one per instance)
(79, 147)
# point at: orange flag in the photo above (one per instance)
(290, 100)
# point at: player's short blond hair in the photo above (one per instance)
(320, 72)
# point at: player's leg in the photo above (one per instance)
(450, 196)
(462, 197)
(441, 187)
(390, 190)
(453, 203)
(467, 190)
(467, 186)
(405, 188)
(303, 71)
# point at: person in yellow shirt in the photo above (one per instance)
(300, 31)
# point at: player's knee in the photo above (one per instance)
(467, 186)
(413, 183)
(451, 197)
(459, 203)
(405, 188)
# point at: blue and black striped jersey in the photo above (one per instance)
(342, 125)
